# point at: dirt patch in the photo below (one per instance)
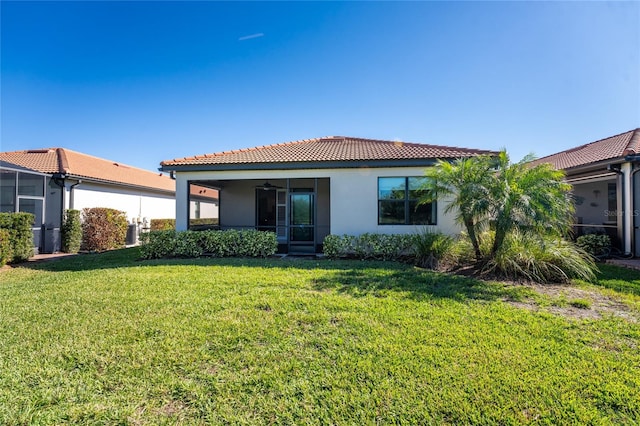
(573, 302)
(172, 409)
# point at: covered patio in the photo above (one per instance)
(296, 209)
(606, 187)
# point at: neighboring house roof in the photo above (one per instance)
(82, 166)
(612, 148)
(202, 193)
(330, 149)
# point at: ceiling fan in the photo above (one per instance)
(268, 186)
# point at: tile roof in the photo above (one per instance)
(328, 149)
(613, 147)
(78, 165)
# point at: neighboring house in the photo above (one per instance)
(308, 189)
(46, 182)
(606, 187)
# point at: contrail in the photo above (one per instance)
(249, 37)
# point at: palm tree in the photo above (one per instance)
(487, 191)
(528, 199)
(468, 183)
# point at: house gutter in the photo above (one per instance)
(58, 179)
(71, 197)
(626, 172)
(632, 160)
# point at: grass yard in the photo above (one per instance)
(107, 339)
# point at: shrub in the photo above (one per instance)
(256, 243)
(187, 244)
(544, 259)
(369, 246)
(159, 244)
(594, 244)
(20, 235)
(163, 224)
(431, 248)
(220, 243)
(6, 251)
(71, 231)
(103, 229)
(336, 246)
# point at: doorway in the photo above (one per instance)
(302, 222)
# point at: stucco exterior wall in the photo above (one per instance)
(208, 210)
(135, 203)
(353, 197)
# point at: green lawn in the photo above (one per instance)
(107, 339)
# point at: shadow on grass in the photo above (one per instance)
(350, 277)
(416, 284)
(623, 280)
(130, 257)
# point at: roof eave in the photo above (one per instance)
(349, 164)
(112, 182)
(598, 165)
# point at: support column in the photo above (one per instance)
(182, 203)
(627, 206)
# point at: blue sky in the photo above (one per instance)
(141, 82)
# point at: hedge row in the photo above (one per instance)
(168, 224)
(16, 237)
(103, 229)
(370, 246)
(162, 224)
(160, 244)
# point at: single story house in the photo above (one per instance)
(48, 181)
(606, 187)
(305, 190)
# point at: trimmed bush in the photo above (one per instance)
(157, 244)
(18, 226)
(594, 244)
(369, 246)
(103, 229)
(336, 246)
(253, 243)
(71, 231)
(163, 224)
(6, 251)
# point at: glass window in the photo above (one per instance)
(29, 184)
(391, 212)
(398, 202)
(391, 188)
(7, 191)
(417, 187)
(33, 206)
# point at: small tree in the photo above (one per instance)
(71, 231)
(103, 229)
(528, 199)
(468, 182)
(519, 203)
